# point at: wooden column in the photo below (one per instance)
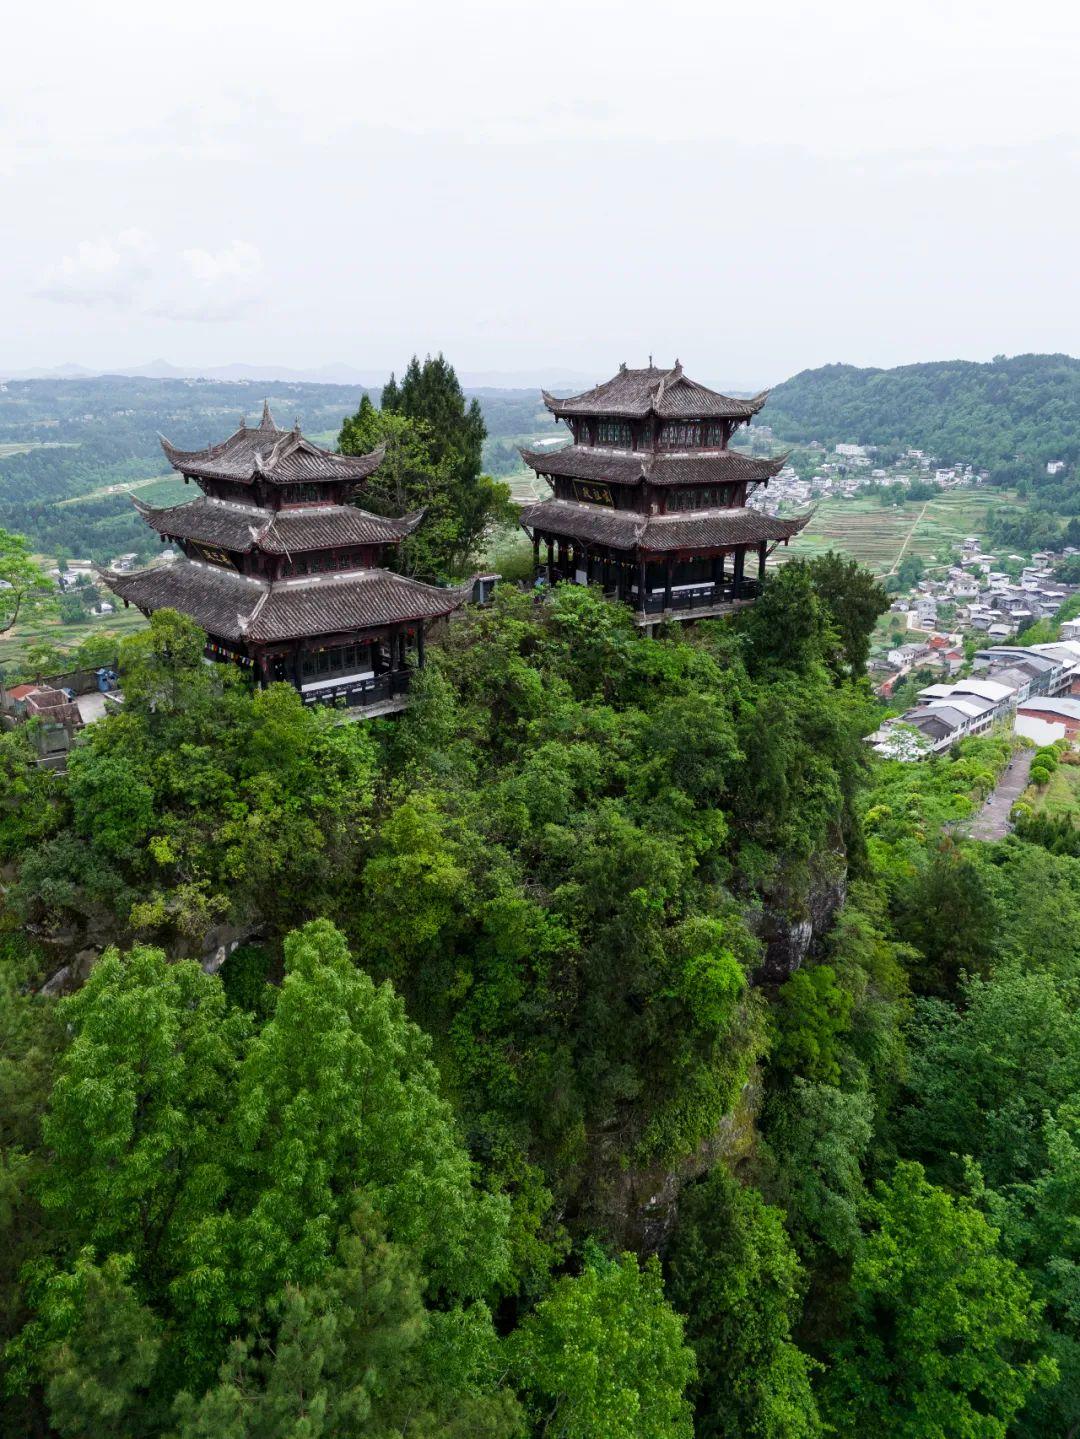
(740, 557)
(551, 561)
(536, 554)
(667, 584)
(564, 559)
(641, 589)
(298, 667)
(761, 560)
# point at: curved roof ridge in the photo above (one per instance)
(665, 393)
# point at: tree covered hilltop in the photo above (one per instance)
(617, 1048)
(1022, 408)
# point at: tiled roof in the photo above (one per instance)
(234, 607)
(623, 467)
(240, 528)
(657, 534)
(283, 457)
(668, 394)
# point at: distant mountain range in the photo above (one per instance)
(334, 374)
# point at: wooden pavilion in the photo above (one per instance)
(649, 500)
(285, 575)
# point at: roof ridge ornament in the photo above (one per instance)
(267, 422)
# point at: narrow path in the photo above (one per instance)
(907, 541)
(992, 821)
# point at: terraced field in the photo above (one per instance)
(877, 535)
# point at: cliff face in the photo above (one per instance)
(638, 1205)
(76, 951)
(798, 913)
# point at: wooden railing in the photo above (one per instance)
(362, 694)
(698, 597)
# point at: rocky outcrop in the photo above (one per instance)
(797, 915)
(638, 1205)
(80, 950)
(73, 974)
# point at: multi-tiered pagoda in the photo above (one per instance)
(284, 574)
(650, 502)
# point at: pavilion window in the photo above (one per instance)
(342, 659)
(614, 432)
(681, 434)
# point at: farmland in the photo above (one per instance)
(876, 535)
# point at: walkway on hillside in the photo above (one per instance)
(992, 821)
(907, 541)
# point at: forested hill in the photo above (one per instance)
(69, 449)
(985, 414)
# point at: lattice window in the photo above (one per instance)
(615, 433)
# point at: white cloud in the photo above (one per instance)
(240, 261)
(128, 271)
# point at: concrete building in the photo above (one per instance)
(1047, 720)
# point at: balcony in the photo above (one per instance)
(687, 600)
(381, 694)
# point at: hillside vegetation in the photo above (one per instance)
(622, 1052)
(985, 414)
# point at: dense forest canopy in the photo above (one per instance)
(609, 1047)
(1026, 407)
(617, 1049)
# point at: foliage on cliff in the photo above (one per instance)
(402, 1172)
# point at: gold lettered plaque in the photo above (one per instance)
(215, 557)
(593, 494)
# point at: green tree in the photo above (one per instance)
(811, 1017)
(816, 1140)
(982, 1077)
(357, 1356)
(944, 1330)
(948, 914)
(791, 626)
(732, 1272)
(301, 1184)
(1040, 1228)
(854, 600)
(433, 443)
(25, 588)
(603, 1356)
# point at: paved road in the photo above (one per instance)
(992, 821)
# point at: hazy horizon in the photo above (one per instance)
(537, 192)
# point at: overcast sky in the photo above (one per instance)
(754, 188)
